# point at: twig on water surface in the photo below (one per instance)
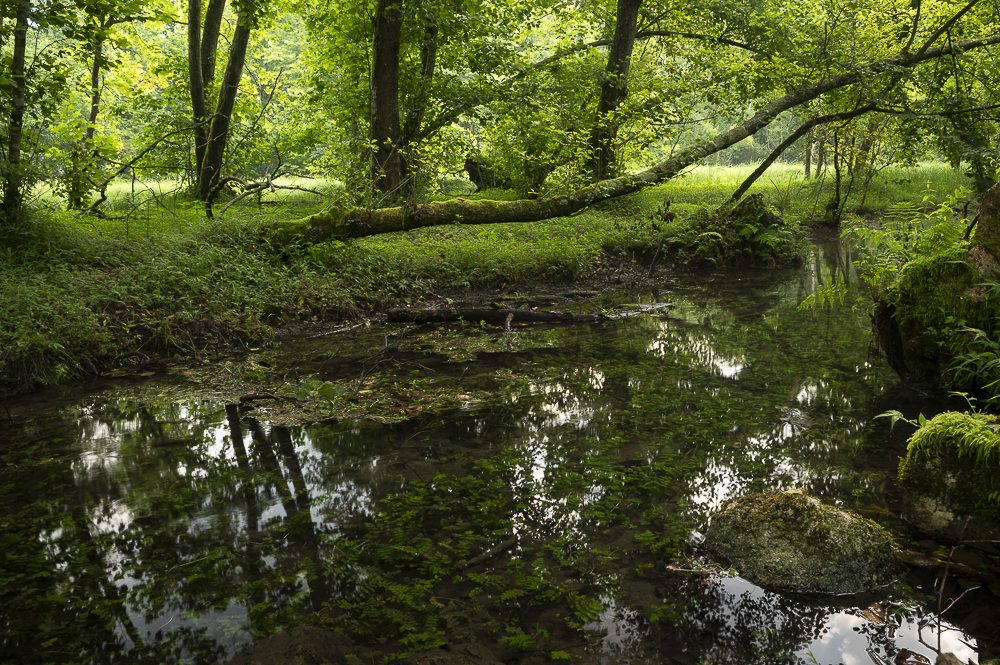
(256, 396)
(186, 563)
(488, 554)
(338, 330)
(944, 579)
(952, 602)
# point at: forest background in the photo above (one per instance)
(183, 178)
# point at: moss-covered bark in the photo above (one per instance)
(343, 223)
(938, 292)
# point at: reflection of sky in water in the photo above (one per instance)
(342, 465)
(565, 405)
(754, 625)
(137, 454)
(695, 349)
(845, 640)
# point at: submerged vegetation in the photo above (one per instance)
(189, 189)
(528, 521)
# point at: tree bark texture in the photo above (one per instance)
(196, 86)
(387, 168)
(210, 43)
(13, 177)
(222, 120)
(338, 222)
(614, 90)
(984, 250)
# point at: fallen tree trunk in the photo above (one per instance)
(338, 222)
(499, 316)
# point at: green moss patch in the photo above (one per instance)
(749, 234)
(930, 289)
(788, 541)
(955, 457)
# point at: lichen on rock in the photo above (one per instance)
(952, 471)
(787, 541)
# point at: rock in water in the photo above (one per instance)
(787, 541)
(951, 473)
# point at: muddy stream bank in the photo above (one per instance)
(530, 489)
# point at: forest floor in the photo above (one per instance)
(83, 297)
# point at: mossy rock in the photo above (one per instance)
(927, 292)
(787, 541)
(952, 472)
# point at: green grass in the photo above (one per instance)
(785, 188)
(78, 293)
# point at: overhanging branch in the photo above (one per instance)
(340, 222)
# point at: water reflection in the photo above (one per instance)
(178, 531)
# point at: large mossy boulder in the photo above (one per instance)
(788, 541)
(929, 292)
(951, 473)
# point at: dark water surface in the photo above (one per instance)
(178, 530)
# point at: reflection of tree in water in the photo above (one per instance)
(731, 621)
(170, 535)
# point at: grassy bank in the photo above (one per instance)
(81, 296)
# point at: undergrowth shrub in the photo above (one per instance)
(749, 234)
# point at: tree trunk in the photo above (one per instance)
(831, 216)
(418, 107)
(196, 82)
(337, 222)
(986, 239)
(387, 169)
(202, 47)
(811, 141)
(13, 178)
(221, 121)
(82, 152)
(210, 43)
(614, 90)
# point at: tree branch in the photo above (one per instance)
(787, 143)
(338, 222)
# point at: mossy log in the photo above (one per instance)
(339, 222)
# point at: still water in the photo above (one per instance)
(551, 514)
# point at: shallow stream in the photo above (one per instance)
(548, 513)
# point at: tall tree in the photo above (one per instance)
(203, 41)
(212, 132)
(614, 90)
(12, 176)
(218, 136)
(384, 127)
